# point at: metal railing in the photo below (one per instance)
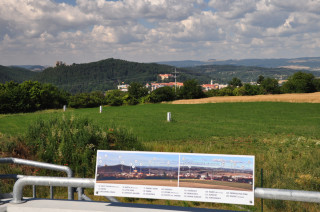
(44, 166)
(265, 193)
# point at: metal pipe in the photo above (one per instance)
(266, 193)
(85, 197)
(51, 192)
(48, 181)
(80, 193)
(42, 165)
(11, 176)
(34, 191)
(111, 199)
(285, 194)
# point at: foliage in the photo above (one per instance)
(260, 79)
(162, 94)
(190, 90)
(235, 82)
(30, 96)
(74, 141)
(101, 75)
(16, 74)
(270, 86)
(136, 91)
(114, 97)
(87, 100)
(300, 82)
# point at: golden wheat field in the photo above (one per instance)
(296, 98)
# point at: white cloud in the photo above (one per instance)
(42, 31)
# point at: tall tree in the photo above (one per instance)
(191, 90)
(235, 82)
(300, 82)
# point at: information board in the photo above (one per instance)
(176, 176)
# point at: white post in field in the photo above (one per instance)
(100, 109)
(64, 108)
(169, 117)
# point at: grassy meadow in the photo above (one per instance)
(284, 137)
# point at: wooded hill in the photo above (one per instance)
(224, 73)
(107, 74)
(15, 74)
(102, 75)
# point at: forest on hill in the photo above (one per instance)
(15, 74)
(224, 73)
(102, 75)
(107, 74)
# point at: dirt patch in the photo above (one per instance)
(294, 98)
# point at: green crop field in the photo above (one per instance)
(284, 137)
(203, 121)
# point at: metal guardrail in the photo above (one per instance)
(45, 166)
(285, 194)
(48, 181)
(265, 193)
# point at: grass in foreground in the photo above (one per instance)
(284, 138)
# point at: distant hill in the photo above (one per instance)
(35, 68)
(305, 63)
(107, 74)
(224, 73)
(102, 75)
(15, 74)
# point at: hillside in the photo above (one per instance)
(15, 74)
(304, 63)
(101, 75)
(224, 73)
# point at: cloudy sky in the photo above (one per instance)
(78, 31)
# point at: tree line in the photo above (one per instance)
(31, 96)
(299, 82)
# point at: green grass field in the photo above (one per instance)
(284, 137)
(199, 122)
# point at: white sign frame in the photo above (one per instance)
(176, 176)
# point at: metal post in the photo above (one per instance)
(34, 191)
(169, 117)
(100, 109)
(80, 192)
(261, 187)
(51, 192)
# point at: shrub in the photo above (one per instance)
(87, 100)
(299, 83)
(114, 97)
(162, 94)
(190, 90)
(74, 141)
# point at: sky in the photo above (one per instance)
(79, 31)
(107, 157)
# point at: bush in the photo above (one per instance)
(190, 90)
(162, 94)
(299, 83)
(115, 97)
(74, 141)
(30, 96)
(87, 100)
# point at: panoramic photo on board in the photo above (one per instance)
(194, 171)
(137, 168)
